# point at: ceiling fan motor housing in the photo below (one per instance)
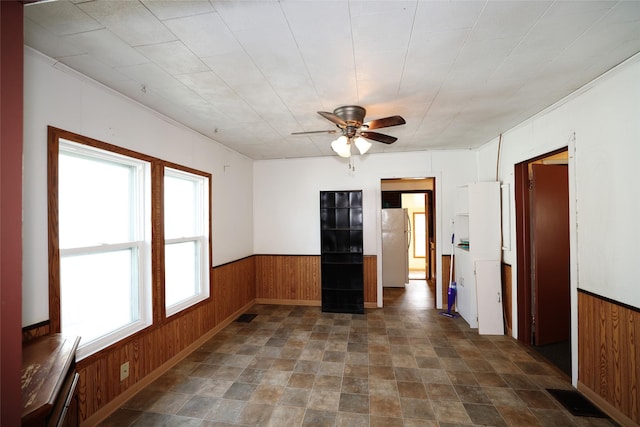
(352, 114)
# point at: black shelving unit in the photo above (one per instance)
(341, 251)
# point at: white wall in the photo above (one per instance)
(600, 126)
(286, 196)
(604, 156)
(59, 97)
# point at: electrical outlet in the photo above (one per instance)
(124, 371)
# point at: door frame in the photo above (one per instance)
(523, 245)
(436, 204)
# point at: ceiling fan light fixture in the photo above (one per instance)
(362, 144)
(342, 146)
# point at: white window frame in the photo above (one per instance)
(140, 243)
(201, 239)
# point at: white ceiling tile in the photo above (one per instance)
(90, 66)
(553, 33)
(508, 19)
(436, 48)
(150, 75)
(205, 35)
(318, 27)
(61, 18)
(207, 84)
(108, 48)
(170, 9)
(44, 41)
(264, 15)
(133, 90)
(248, 73)
(130, 20)
(173, 57)
(442, 16)
(382, 26)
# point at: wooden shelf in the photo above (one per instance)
(49, 381)
(341, 248)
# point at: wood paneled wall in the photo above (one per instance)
(370, 281)
(507, 295)
(233, 291)
(288, 278)
(446, 265)
(235, 288)
(609, 356)
(34, 331)
(295, 279)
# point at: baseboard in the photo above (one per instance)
(309, 303)
(605, 406)
(101, 414)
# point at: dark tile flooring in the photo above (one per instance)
(403, 365)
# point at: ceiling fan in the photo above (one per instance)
(349, 120)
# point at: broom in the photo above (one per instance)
(451, 292)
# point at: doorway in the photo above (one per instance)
(416, 197)
(542, 221)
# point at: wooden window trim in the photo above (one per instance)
(157, 224)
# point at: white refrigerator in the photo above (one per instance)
(396, 235)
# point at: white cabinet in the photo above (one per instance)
(477, 256)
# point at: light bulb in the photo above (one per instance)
(342, 147)
(362, 144)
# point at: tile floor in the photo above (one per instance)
(403, 365)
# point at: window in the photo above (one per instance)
(186, 238)
(104, 223)
(105, 201)
(419, 235)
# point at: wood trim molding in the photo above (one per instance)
(274, 301)
(507, 298)
(53, 232)
(609, 300)
(523, 266)
(609, 409)
(609, 355)
(36, 330)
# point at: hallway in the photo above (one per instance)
(403, 365)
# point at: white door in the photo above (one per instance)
(466, 286)
(489, 294)
(395, 262)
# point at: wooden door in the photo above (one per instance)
(550, 253)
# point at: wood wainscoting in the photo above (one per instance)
(235, 288)
(446, 266)
(154, 350)
(370, 281)
(507, 295)
(288, 279)
(609, 356)
(295, 280)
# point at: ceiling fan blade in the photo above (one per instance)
(315, 131)
(385, 139)
(384, 122)
(332, 118)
